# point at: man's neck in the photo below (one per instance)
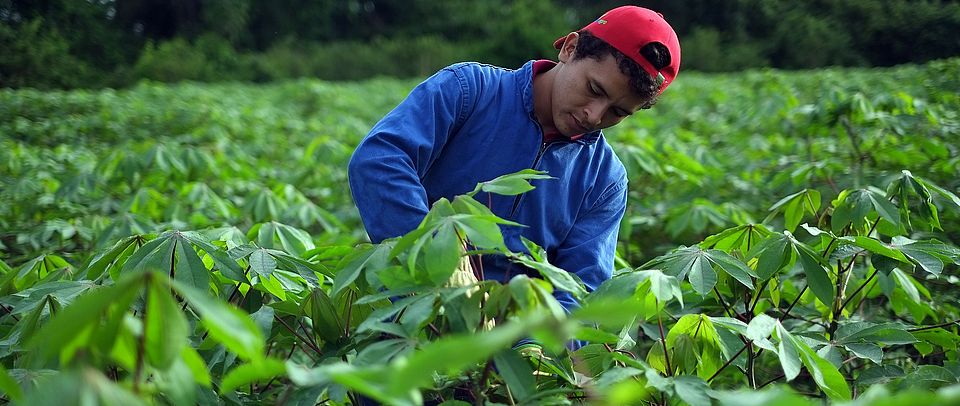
(542, 97)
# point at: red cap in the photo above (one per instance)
(630, 28)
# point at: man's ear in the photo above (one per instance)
(569, 47)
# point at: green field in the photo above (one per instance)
(791, 229)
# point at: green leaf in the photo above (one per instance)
(165, 327)
(611, 311)
(865, 332)
(262, 263)
(511, 184)
(880, 374)
(851, 207)
(867, 351)
(447, 355)
(825, 374)
(101, 261)
(817, 278)
(85, 312)
(261, 370)
(702, 276)
(560, 278)
(372, 257)
(773, 254)
(227, 266)
(740, 238)
(795, 206)
(516, 373)
(886, 209)
(198, 368)
(9, 387)
(190, 269)
(733, 267)
(326, 321)
(906, 282)
(788, 354)
(692, 390)
(877, 247)
(441, 254)
(664, 287)
(761, 327)
(229, 326)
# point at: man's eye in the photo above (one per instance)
(594, 90)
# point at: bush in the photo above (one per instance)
(351, 60)
(33, 56)
(209, 58)
(705, 51)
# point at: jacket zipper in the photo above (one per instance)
(536, 161)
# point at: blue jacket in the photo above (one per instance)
(470, 123)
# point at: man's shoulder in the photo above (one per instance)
(477, 67)
(480, 73)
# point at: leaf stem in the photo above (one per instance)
(756, 300)
(725, 365)
(913, 330)
(304, 340)
(663, 340)
(142, 340)
(799, 295)
(726, 309)
(776, 378)
(854, 294)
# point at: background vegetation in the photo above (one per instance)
(114, 43)
(793, 232)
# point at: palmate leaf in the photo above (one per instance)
(779, 251)
(930, 255)
(795, 206)
(854, 207)
(116, 254)
(282, 237)
(699, 267)
(908, 188)
(740, 238)
(433, 250)
(173, 253)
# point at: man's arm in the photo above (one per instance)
(386, 169)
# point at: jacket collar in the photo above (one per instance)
(524, 77)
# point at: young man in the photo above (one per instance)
(471, 123)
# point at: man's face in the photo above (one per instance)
(590, 95)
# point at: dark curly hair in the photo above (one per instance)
(645, 86)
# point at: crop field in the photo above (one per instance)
(790, 237)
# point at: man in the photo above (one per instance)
(472, 122)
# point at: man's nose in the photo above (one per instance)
(594, 114)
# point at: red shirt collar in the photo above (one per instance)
(539, 67)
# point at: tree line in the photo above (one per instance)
(96, 43)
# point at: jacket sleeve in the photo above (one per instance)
(386, 169)
(589, 249)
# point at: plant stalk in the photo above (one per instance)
(663, 340)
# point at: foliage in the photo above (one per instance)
(111, 43)
(790, 237)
